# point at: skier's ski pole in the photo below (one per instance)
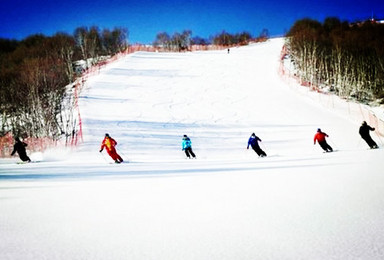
(102, 155)
(316, 148)
(378, 135)
(124, 155)
(359, 142)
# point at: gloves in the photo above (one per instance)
(101, 150)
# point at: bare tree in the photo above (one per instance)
(162, 40)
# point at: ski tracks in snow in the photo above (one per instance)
(150, 99)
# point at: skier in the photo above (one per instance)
(364, 133)
(320, 138)
(187, 147)
(109, 144)
(19, 147)
(253, 142)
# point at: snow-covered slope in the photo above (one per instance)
(297, 203)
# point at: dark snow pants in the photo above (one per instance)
(326, 147)
(370, 141)
(24, 157)
(189, 152)
(258, 150)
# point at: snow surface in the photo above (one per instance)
(297, 203)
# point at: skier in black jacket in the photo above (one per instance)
(19, 147)
(364, 133)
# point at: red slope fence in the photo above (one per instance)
(74, 135)
(355, 111)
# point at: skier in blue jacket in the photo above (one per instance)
(187, 147)
(253, 142)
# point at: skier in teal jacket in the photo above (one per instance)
(187, 147)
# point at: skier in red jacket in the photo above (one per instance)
(109, 144)
(320, 138)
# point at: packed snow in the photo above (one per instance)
(296, 203)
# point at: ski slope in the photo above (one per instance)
(297, 203)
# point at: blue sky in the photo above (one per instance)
(144, 19)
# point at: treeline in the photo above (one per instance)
(348, 58)
(183, 41)
(34, 73)
(176, 42)
(227, 39)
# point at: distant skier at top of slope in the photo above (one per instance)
(186, 145)
(19, 147)
(364, 133)
(320, 138)
(253, 142)
(109, 144)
